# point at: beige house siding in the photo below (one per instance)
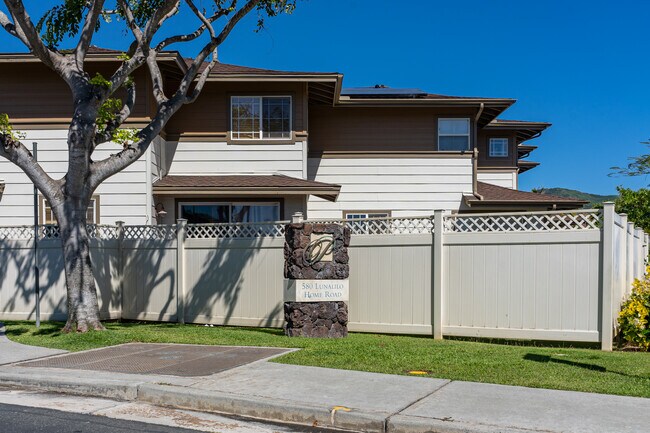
(406, 186)
(122, 196)
(504, 178)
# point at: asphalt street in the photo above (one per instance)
(23, 411)
(22, 419)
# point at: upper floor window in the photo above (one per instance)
(498, 147)
(260, 117)
(453, 134)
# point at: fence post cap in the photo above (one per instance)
(181, 221)
(119, 223)
(297, 218)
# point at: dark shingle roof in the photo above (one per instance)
(244, 181)
(239, 183)
(494, 193)
(225, 69)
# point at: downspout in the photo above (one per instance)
(475, 154)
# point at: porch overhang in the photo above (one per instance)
(244, 185)
(490, 197)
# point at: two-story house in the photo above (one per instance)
(259, 145)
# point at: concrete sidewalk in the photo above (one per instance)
(354, 400)
(11, 352)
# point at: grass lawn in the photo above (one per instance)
(590, 370)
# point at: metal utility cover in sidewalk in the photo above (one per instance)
(168, 359)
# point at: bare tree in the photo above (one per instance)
(98, 117)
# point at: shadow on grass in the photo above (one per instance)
(593, 367)
(547, 358)
(529, 343)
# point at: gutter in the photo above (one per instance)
(475, 154)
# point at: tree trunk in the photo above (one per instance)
(83, 308)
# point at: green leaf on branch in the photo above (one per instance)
(125, 137)
(636, 204)
(99, 81)
(61, 21)
(8, 130)
(638, 166)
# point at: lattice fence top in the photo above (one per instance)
(235, 230)
(524, 222)
(95, 231)
(17, 233)
(385, 226)
(464, 223)
(159, 232)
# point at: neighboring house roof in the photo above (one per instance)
(523, 150)
(244, 185)
(487, 108)
(489, 195)
(524, 165)
(525, 130)
(323, 87)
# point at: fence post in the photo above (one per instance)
(120, 263)
(646, 250)
(607, 285)
(624, 254)
(436, 298)
(629, 238)
(181, 230)
(640, 263)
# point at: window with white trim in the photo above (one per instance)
(360, 227)
(260, 117)
(365, 215)
(498, 147)
(92, 213)
(229, 212)
(453, 134)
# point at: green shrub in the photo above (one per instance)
(634, 317)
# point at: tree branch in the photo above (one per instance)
(130, 20)
(209, 48)
(11, 28)
(25, 26)
(203, 78)
(206, 22)
(17, 153)
(102, 170)
(162, 14)
(120, 118)
(141, 46)
(158, 85)
(87, 32)
(199, 31)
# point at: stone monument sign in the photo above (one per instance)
(316, 271)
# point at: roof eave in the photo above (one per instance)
(275, 77)
(327, 193)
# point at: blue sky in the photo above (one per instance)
(581, 65)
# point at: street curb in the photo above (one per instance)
(261, 408)
(416, 424)
(117, 390)
(276, 410)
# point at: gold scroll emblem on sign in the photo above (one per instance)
(319, 249)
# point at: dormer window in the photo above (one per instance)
(498, 147)
(453, 134)
(260, 117)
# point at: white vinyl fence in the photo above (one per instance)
(544, 276)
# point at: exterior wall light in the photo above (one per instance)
(160, 213)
